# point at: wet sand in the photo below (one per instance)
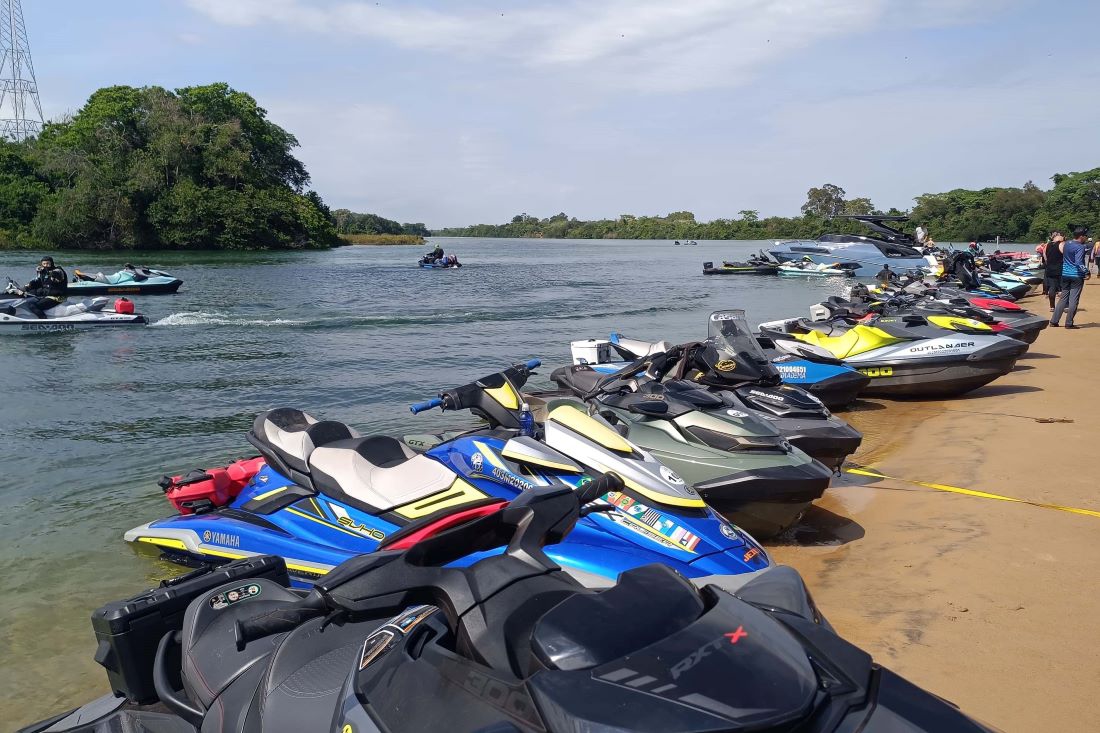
(990, 604)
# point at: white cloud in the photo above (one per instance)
(648, 45)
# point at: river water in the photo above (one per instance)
(92, 420)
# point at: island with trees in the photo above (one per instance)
(147, 168)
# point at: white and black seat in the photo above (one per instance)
(377, 473)
(287, 437)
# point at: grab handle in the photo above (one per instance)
(426, 405)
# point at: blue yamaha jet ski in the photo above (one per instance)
(129, 280)
(321, 494)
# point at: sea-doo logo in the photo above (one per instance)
(736, 413)
(51, 327)
(726, 365)
(767, 396)
(511, 480)
(221, 538)
(476, 461)
(653, 396)
(877, 371)
(669, 476)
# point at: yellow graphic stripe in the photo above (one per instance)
(162, 542)
(505, 395)
(459, 493)
(266, 494)
(578, 422)
(975, 493)
(330, 525)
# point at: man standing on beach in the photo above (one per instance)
(1052, 266)
(1075, 271)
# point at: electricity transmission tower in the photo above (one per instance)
(17, 84)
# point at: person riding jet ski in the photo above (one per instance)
(48, 287)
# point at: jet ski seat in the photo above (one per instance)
(287, 437)
(577, 378)
(377, 472)
(639, 348)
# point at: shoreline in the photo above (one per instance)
(986, 603)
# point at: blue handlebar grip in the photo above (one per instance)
(533, 364)
(426, 405)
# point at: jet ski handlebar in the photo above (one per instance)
(446, 400)
(387, 582)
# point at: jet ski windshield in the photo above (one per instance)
(730, 335)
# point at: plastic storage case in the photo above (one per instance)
(128, 631)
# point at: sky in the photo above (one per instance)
(453, 113)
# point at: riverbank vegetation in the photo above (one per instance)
(1027, 213)
(147, 168)
(382, 238)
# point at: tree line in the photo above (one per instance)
(1027, 213)
(200, 167)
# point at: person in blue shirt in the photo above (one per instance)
(1075, 271)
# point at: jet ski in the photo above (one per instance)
(961, 317)
(755, 265)
(739, 463)
(808, 268)
(731, 360)
(19, 317)
(403, 641)
(1007, 312)
(320, 494)
(446, 262)
(129, 280)
(905, 356)
(803, 365)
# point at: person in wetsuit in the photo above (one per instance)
(886, 276)
(48, 288)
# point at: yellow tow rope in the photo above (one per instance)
(972, 492)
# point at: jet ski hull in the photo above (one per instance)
(88, 287)
(10, 326)
(836, 385)
(740, 268)
(947, 376)
(766, 501)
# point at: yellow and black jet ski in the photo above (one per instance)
(907, 356)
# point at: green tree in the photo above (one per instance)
(1074, 201)
(828, 200)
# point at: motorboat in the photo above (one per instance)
(866, 254)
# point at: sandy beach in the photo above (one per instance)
(990, 604)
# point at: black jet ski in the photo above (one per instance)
(731, 360)
(397, 641)
(755, 265)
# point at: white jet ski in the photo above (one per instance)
(17, 317)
